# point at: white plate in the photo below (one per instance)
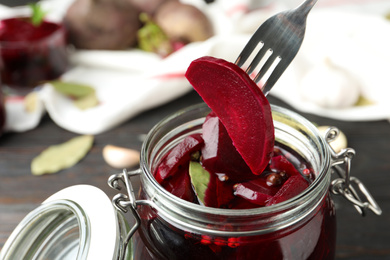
(356, 42)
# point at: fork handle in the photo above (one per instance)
(306, 6)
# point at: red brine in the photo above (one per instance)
(280, 181)
(2, 110)
(261, 191)
(312, 239)
(31, 54)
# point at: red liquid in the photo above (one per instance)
(2, 110)
(231, 184)
(311, 238)
(31, 55)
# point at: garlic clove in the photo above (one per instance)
(31, 102)
(329, 86)
(339, 143)
(120, 157)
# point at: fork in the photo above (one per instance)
(281, 36)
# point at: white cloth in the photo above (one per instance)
(129, 82)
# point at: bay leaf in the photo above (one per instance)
(62, 156)
(71, 89)
(87, 101)
(200, 179)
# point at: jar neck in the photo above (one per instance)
(291, 130)
(62, 220)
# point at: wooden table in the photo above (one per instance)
(20, 192)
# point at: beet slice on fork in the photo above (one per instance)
(240, 105)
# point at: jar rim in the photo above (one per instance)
(60, 217)
(96, 221)
(58, 32)
(318, 184)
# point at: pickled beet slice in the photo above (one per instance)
(280, 163)
(218, 153)
(180, 185)
(178, 157)
(240, 105)
(224, 194)
(291, 188)
(240, 203)
(219, 194)
(256, 191)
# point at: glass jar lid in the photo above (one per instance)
(78, 222)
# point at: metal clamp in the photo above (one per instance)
(123, 202)
(345, 184)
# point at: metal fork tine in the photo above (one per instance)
(275, 75)
(265, 67)
(257, 59)
(283, 33)
(247, 51)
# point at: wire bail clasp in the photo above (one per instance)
(124, 202)
(345, 184)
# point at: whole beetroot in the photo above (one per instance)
(147, 6)
(102, 24)
(183, 22)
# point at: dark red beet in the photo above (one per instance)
(219, 194)
(178, 157)
(256, 191)
(240, 203)
(240, 105)
(291, 188)
(180, 185)
(280, 163)
(218, 153)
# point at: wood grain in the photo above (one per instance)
(20, 192)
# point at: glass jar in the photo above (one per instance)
(28, 61)
(2, 109)
(80, 222)
(303, 227)
(76, 223)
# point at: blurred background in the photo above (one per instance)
(339, 78)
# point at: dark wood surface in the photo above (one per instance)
(20, 192)
(13, 3)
